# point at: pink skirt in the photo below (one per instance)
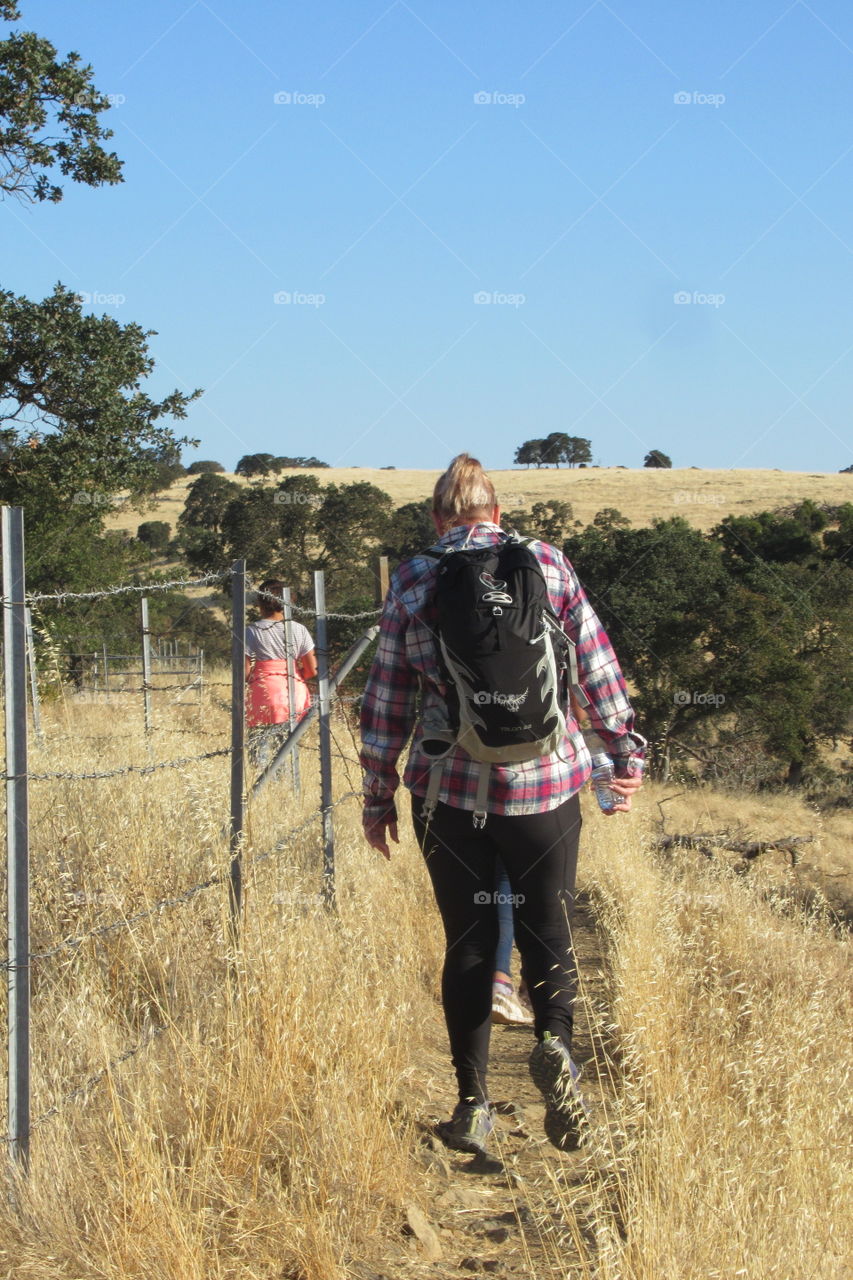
(266, 694)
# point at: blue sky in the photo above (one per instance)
(652, 202)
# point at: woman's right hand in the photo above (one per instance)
(377, 830)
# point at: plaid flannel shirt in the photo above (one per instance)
(405, 680)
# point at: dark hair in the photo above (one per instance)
(269, 596)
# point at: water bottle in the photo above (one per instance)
(602, 776)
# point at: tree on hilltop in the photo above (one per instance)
(255, 464)
(554, 449)
(530, 452)
(199, 468)
(572, 450)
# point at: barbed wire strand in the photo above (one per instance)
(93, 1081)
(116, 773)
(127, 922)
(124, 589)
(59, 597)
(88, 1085)
(251, 585)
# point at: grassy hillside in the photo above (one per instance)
(701, 497)
(273, 1119)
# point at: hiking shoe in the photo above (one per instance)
(468, 1127)
(507, 1007)
(567, 1123)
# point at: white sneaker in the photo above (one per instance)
(507, 1008)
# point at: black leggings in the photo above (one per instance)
(540, 853)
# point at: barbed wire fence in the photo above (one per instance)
(17, 646)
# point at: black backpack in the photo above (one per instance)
(504, 658)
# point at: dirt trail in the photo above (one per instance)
(501, 1216)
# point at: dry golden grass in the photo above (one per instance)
(268, 1130)
(729, 1009)
(702, 497)
(255, 1136)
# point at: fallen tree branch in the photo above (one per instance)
(706, 842)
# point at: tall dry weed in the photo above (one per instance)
(732, 1018)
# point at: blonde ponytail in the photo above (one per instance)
(463, 493)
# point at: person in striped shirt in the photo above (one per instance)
(533, 812)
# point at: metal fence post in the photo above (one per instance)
(34, 683)
(325, 739)
(146, 663)
(238, 738)
(200, 682)
(291, 681)
(17, 830)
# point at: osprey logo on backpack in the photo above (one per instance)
(496, 594)
(499, 651)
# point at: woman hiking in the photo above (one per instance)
(466, 814)
(267, 701)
